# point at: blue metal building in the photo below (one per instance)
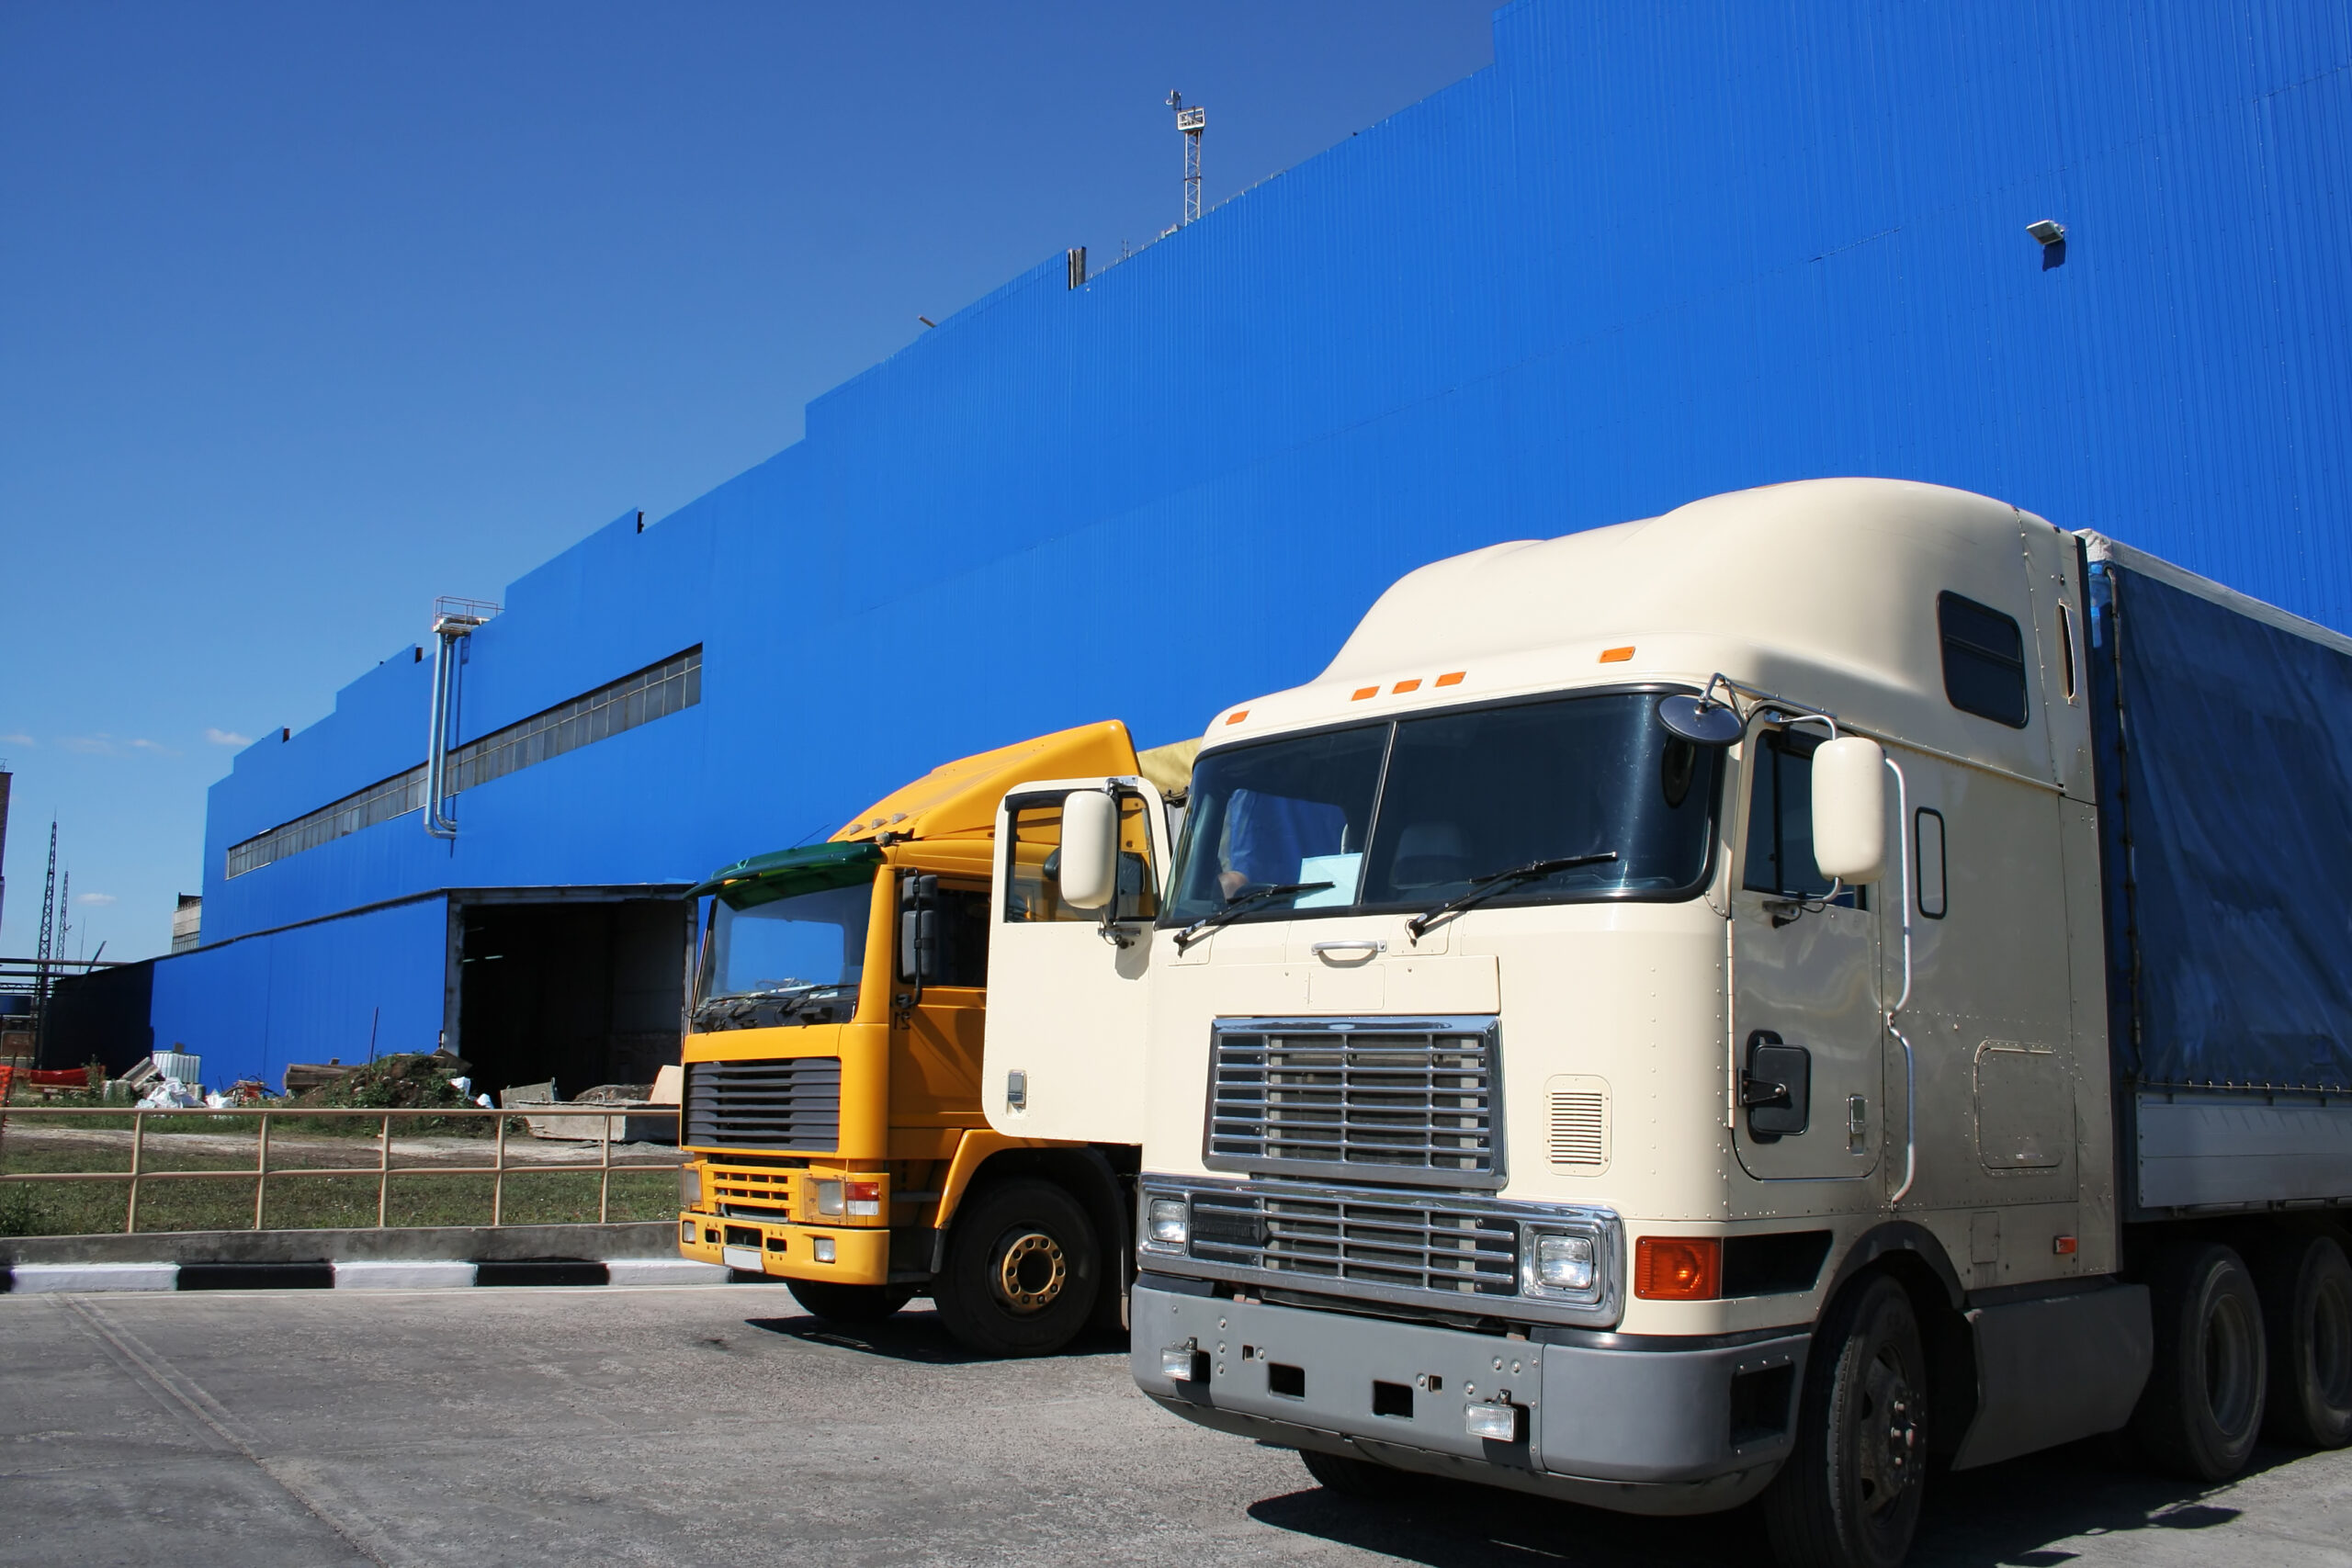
(1651, 252)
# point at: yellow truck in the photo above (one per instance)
(832, 1121)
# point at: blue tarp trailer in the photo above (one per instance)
(2223, 729)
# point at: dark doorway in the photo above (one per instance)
(584, 992)
(101, 1017)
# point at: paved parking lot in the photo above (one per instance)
(718, 1425)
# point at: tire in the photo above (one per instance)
(1847, 1496)
(1352, 1477)
(1023, 1270)
(850, 1303)
(2306, 1289)
(2202, 1408)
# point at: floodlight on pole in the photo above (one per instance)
(1191, 122)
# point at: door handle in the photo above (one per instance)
(1367, 949)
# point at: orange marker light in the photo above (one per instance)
(1237, 716)
(1453, 680)
(1678, 1268)
(1404, 686)
(1615, 655)
(1363, 691)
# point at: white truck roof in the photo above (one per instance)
(1825, 589)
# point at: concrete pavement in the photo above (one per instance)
(719, 1426)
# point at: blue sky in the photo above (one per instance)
(309, 314)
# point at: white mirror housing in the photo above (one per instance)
(1089, 875)
(1849, 809)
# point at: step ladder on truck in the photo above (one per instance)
(1742, 1004)
(831, 1114)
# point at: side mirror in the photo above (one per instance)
(1089, 849)
(1849, 809)
(918, 930)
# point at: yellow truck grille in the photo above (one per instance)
(783, 1103)
(751, 1194)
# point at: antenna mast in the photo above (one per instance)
(1191, 122)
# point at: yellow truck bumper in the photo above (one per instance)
(843, 1255)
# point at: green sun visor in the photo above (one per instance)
(762, 879)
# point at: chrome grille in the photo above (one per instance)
(1399, 1243)
(1414, 1103)
(787, 1102)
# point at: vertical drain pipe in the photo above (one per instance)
(452, 619)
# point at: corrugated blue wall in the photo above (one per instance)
(1651, 253)
(332, 989)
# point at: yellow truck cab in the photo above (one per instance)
(832, 1119)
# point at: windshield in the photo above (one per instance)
(788, 961)
(1408, 815)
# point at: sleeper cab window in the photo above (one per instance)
(1032, 880)
(1928, 854)
(1780, 821)
(1983, 659)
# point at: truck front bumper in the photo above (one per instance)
(858, 1256)
(1637, 1424)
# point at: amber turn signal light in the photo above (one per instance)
(1678, 1268)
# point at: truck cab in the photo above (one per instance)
(831, 1105)
(1636, 1029)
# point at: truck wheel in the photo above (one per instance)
(1353, 1477)
(850, 1303)
(2307, 1319)
(2202, 1406)
(1021, 1270)
(1848, 1495)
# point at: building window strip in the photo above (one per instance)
(654, 693)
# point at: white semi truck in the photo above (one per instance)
(1834, 980)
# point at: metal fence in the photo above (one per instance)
(261, 1173)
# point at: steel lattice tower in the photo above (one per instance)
(1191, 122)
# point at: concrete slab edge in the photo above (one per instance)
(359, 1274)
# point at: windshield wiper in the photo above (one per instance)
(1494, 881)
(1247, 899)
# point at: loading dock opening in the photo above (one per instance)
(581, 986)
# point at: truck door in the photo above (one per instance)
(1064, 1052)
(1807, 1037)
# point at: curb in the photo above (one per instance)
(359, 1274)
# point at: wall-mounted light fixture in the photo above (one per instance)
(2051, 235)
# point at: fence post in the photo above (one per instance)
(605, 1172)
(261, 1169)
(130, 1208)
(498, 1179)
(383, 1167)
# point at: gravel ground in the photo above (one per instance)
(718, 1425)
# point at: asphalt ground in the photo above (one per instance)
(719, 1426)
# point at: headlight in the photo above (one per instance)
(686, 1233)
(1169, 1221)
(1552, 1263)
(1564, 1262)
(829, 1198)
(690, 1187)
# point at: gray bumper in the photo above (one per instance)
(1662, 1431)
